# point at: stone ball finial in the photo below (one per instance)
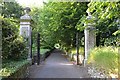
(89, 15)
(27, 10)
(26, 16)
(88, 12)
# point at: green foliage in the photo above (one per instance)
(106, 14)
(112, 41)
(43, 51)
(11, 10)
(13, 46)
(18, 50)
(73, 51)
(105, 58)
(116, 32)
(9, 67)
(58, 22)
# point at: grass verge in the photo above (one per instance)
(105, 59)
(9, 67)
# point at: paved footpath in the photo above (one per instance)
(57, 66)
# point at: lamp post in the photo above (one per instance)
(25, 30)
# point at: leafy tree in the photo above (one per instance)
(11, 9)
(13, 46)
(57, 22)
(107, 13)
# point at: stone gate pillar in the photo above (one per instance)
(25, 30)
(118, 44)
(0, 47)
(90, 37)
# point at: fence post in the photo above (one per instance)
(0, 48)
(38, 49)
(77, 46)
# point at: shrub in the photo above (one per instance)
(18, 50)
(12, 44)
(73, 51)
(43, 51)
(105, 58)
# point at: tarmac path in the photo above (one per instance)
(57, 66)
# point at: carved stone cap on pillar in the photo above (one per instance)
(91, 22)
(90, 28)
(26, 17)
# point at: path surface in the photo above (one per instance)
(57, 66)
